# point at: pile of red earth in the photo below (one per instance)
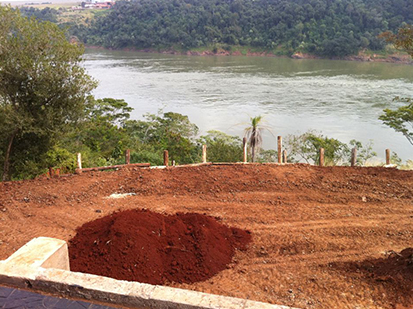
(139, 245)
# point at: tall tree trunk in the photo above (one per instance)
(6, 166)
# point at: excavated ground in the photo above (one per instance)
(322, 237)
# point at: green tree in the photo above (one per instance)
(403, 39)
(100, 134)
(401, 119)
(364, 153)
(268, 155)
(307, 145)
(254, 135)
(168, 131)
(43, 87)
(222, 147)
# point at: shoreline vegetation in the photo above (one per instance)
(397, 57)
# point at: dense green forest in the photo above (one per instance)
(323, 27)
(46, 14)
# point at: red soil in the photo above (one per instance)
(140, 245)
(394, 272)
(314, 229)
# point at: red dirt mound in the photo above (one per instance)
(139, 245)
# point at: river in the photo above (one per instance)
(340, 99)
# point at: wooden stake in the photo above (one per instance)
(127, 156)
(284, 156)
(204, 153)
(165, 158)
(280, 146)
(244, 147)
(321, 156)
(354, 156)
(387, 156)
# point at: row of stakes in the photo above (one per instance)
(282, 156)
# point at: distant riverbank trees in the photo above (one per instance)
(333, 28)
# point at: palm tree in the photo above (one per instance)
(254, 135)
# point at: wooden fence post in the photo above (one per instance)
(165, 158)
(354, 156)
(321, 157)
(204, 153)
(284, 156)
(127, 156)
(244, 147)
(387, 156)
(280, 145)
(51, 174)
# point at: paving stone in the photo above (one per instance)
(4, 293)
(16, 299)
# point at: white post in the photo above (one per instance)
(204, 153)
(79, 161)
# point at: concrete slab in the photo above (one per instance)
(43, 252)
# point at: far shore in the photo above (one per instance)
(392, 58)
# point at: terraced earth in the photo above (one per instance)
(322, 237)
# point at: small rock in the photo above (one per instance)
(98, 211)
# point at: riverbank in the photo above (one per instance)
(399, 57)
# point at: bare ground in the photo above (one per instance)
(322, 237)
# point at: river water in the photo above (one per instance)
(340, 99)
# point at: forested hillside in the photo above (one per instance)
(322, 27)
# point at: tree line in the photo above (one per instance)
(329, 28)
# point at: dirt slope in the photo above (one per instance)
(321, 237)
